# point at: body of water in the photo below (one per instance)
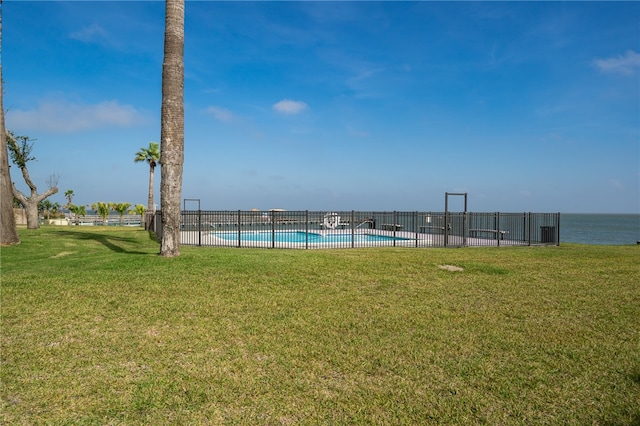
(612, 229)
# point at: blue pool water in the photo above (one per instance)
(301, 237)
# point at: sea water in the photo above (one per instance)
(612, 229)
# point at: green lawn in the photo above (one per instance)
(98, 329)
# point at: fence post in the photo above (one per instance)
(393, 226)
(465, 227)
(415, 226)
(239, 235)
(498, 227)
(157, 224)
(306, 229)
(446, 228)
(353, 230)
(199, 228)
(273, 229)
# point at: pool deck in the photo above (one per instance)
(405, 239)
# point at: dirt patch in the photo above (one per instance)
(62, 254)
(451, 268)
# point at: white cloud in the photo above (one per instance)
(221, 114)
(357, 133)
(623, 64)
(290, 107)
(615, 184)
(91, 33)
(67, 117)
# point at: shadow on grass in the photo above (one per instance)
(634, 421)
(635, 378)
(113, 243)
(153, 237)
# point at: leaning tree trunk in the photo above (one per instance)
(31, 203)
(8, 230)
(172, 127)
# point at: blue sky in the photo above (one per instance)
(337, 105)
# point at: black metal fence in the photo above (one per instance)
(350, 229)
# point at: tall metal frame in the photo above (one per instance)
(447, 223)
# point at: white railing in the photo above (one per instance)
(111, 220)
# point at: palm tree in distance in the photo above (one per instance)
(69, 196)
(121, 208)
(151, 155)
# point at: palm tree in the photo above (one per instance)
(55, 208)
(77, 212)
(69, 196)
(103, 210)
(172, 127)
(139, 210)
(121, 208)
(46, 206)
(151, 155)
(8, 230)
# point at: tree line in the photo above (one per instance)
(20, 150)
(55, 210)
(171, 156)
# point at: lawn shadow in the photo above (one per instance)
(113, 243)
(634, 376)
(634, 421)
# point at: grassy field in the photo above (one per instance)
(98, 329)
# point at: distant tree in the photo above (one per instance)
(77, 212)
(139, 210)
(151, 155)
(121, 208)
(20, 148)
(55, 210)
(45, 207)
(48, 207)
(172, 127)
(8, 229)
(69, 196)
(103, 210)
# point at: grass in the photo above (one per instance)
(98, 329)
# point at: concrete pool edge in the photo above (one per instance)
(402, 239)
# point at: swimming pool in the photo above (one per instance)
(303, 237)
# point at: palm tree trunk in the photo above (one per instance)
(150, 203)
(172, 127)
(146, 218)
